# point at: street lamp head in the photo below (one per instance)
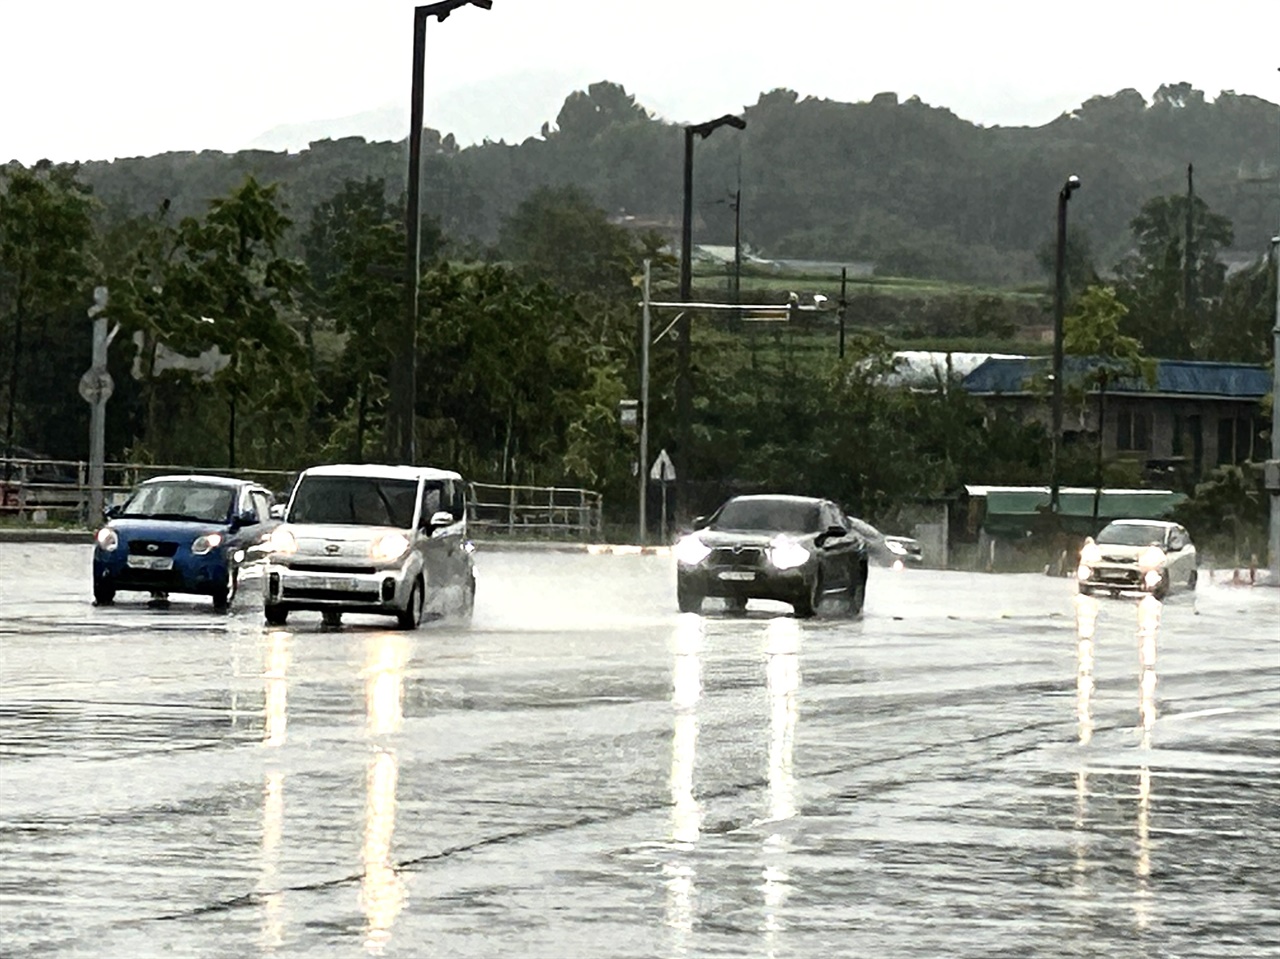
(1072, 184)
(443, 8)
(705, 129)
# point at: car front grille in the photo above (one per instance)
(343, 595)
(152, 547)
(748, 556)
(330, 568)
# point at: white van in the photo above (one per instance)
(372, 539)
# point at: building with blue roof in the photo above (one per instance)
(1192, 417)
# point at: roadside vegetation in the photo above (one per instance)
(528, 320)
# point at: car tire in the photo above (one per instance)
(1191, 580)
(736, 605)
(1084, 590)
(411, 615)
(687, 598)
(468, 599)
(808, 604)
(223, 596)
(275, 615)
(858, 589)
(1162, 588)
(103, 595)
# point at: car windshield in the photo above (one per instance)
(1131, 534)
(768, 515)
(354, 501)
(180, 500)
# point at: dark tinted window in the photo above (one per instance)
(193, 501)
(1132, 534)
(769, 515)
(354, 501)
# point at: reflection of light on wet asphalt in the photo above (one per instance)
(782, 675)
(1148, 631)
(382, 891)
(1086, 622)
(272, 832)
(1142, 868)
(275, 677)
(686, 691)
(386, 655)
(680, 878)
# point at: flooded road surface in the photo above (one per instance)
(976, 766)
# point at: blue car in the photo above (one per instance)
(182, 534)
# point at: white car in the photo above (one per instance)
(1138, 555)
(364, 538)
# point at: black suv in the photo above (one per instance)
(796, 549)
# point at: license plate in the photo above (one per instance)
(1115, 574)
(324, 582)
(738, 575)
(151, 562)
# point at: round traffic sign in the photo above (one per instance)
(96, 386)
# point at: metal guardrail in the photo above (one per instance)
(57, 491)
(550, 512)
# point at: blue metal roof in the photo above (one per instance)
(1243, 381)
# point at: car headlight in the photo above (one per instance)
(787, 553)
(282, 541)
(107, 539)
(1090, 553)
(205, 543)
(895, 547)
(388, 547)
(1151, 578)
(690, 550)
(1151, 558)
(1083, 572)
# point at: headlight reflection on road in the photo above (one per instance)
(1148, 632)
(680, 878)
(268, 881)
(382, 891)
(1142, 867)
(782, 675)
(1086, 622)
(275, 679)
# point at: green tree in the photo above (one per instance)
(1092, 333)
(46, 265)
(1165, 284)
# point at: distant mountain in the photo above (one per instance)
(911, 187)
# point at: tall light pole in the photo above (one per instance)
(1059, 308)
(684, 386)
(1272, 470)
(403, 378)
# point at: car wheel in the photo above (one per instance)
(275, 615)
(411, 615)
(808, 604)
(687, 598)
(736, 605)
(858, 589)
(468, 599)
(103, 595)
(1191, 580)
(1084, 590)
(223, 596)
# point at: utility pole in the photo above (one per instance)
(844, 302)
(643, 466)
(1059, 308)
(1189, 254)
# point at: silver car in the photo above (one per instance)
(1138, 555)
(365, 538)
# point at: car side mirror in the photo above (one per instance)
(699, 522)
(244, 518)
(112, 511)
(441, 518)
(277, 511)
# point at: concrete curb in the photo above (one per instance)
(27, 534)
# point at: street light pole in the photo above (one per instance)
(643, 465)
(1059, 308)
(403, 378)
(1272, 472)
(684, 385)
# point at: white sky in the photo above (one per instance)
(97, 79)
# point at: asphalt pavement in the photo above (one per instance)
(978, 765)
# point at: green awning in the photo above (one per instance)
(1011, 512)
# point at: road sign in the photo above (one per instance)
(663, 469)
(96, 386)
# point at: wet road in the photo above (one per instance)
(976, 766)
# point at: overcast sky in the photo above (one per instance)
(98, 79)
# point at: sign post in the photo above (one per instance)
(96, 387)
(664, 471)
